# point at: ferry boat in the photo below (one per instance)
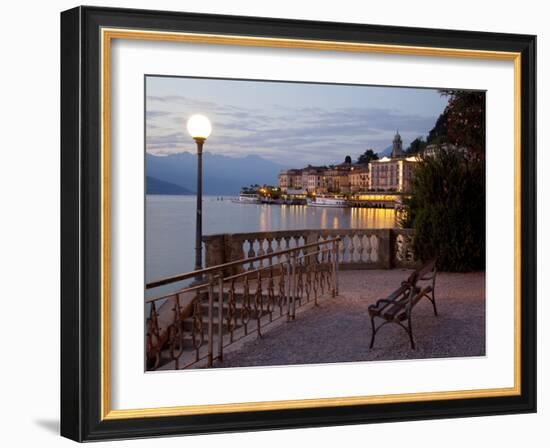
(248, 198)
(328, 201)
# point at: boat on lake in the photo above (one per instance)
(248, 198)
(328, 201)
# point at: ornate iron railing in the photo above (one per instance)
(232, 300)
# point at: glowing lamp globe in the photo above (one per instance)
(199, 127)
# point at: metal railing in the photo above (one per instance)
(229, 301)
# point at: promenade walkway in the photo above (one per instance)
(339, 329)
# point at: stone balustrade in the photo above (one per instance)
(358, 249)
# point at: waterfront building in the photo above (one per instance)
(337, 178)
(359, 178)
(290, 179)
(393, 173)
(431, 150)
(389, 174)
(312, 179)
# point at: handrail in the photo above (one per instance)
(228, 305)
(202, 272)
(200, 286)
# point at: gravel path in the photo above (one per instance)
(339, 329)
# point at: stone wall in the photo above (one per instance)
(359, 248)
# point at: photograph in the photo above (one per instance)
(291, 223)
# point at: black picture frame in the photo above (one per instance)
(81, 379)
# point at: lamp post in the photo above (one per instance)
(199, 128)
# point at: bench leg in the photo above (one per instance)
(410, 332)
(413, 346)
(373, 331)
(433, 300)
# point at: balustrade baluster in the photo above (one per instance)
(261, 252)
(351, 248)
(366, 244)
(374, 248)
(358, 248)
(251, 252)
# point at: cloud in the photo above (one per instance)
(150, 114)
(308, 134)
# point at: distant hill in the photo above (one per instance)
(222, 175)
(386, 152)
(157, 186)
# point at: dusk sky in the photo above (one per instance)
(293, 124)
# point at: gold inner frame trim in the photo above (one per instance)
(107, 35)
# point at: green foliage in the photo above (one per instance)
(367, 156)
(466, 120)
(438, 133)
(447, 210)
(462, 123)
(417, 146)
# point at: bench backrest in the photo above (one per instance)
(425, 272)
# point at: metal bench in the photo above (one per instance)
(397, 307)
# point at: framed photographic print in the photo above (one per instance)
(275, 224)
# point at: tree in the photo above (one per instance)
(348, 160)
(447, 210)
(466, 120)
(438, 133)
(447, 203)
(367, 157)
(417, 146)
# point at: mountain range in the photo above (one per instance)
(222, 175)
(386, 152)
(156, 186)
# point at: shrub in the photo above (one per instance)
(447, 210)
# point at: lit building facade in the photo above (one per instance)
(290, 180)
(336, 179)
(392, 173)
(312, 179)
(359, 178)
(389, 174)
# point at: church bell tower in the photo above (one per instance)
(397, 146)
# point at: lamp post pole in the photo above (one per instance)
(198, 233)
(199, 128)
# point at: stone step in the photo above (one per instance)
(239, 306)
(188, 323)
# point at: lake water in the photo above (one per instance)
(170, 225)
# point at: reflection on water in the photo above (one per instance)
(288, 217)
(170, 225)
